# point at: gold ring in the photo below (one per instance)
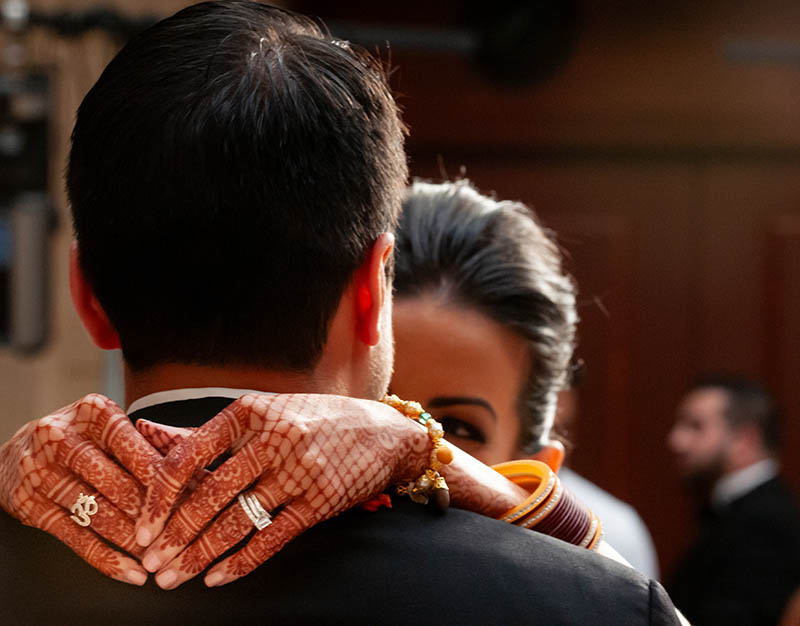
(83, 509)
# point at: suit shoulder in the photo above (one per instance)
(503, 573)
(399, 566)
(772, 502)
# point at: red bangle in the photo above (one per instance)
(551, 509)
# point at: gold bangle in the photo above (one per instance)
(430, 484)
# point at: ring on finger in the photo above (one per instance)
(83, 509)
(253, 509)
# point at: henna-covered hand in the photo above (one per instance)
(312, 455)
(367, 445)
(84, 448)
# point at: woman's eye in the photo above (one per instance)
(455, 427)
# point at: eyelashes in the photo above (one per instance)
(456, 427)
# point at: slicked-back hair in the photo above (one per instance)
(474, 251)
(229, 171)
(747, 403)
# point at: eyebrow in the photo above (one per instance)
(441, 401)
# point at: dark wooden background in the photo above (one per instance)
(665, 151)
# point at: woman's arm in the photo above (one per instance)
(477, 487)
(311, 456)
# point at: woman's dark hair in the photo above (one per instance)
(474, 251)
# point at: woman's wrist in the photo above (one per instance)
(414, 463)
(477, 487)
(473, 485)
(407, 439)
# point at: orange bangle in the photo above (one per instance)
(534, 476)
(594, 540)
(550, 508)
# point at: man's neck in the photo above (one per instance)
(180, 376)
(737, 483)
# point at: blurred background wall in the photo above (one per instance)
(661, 141)
(65, 365)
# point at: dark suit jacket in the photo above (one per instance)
(745, 563)
(404, 565)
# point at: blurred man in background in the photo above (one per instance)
(745, 562)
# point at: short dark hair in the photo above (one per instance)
(229, 171)
(494, 257)
(748, 403)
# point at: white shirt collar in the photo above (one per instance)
(735, 485)
(175, 395)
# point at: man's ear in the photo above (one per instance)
(552, 454)
(92, 315)
(371, 287)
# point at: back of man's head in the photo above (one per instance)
(748, 403)
(229, 171)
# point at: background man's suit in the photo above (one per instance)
(458, 568)
(745, 563)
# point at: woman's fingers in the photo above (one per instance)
(162, 437)
(173, 476)
(109, 522)
(215, 492)
(293, 519)
(80, 438)
(174, 473)
(86, 460)
(233, 525)
(318, 464)
(55, 520)
(228, 529)
(75, 451)
(107, 425)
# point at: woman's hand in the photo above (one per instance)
(309, 457)
(50, 463)
(313, 456)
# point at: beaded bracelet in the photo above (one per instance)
(550, 508)
(430, 485)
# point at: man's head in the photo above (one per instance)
(230, 174)
(723, 424)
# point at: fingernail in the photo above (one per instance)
(151, 562)
(214, 579)
(144, 537)
(167, 579)
(136, 577)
